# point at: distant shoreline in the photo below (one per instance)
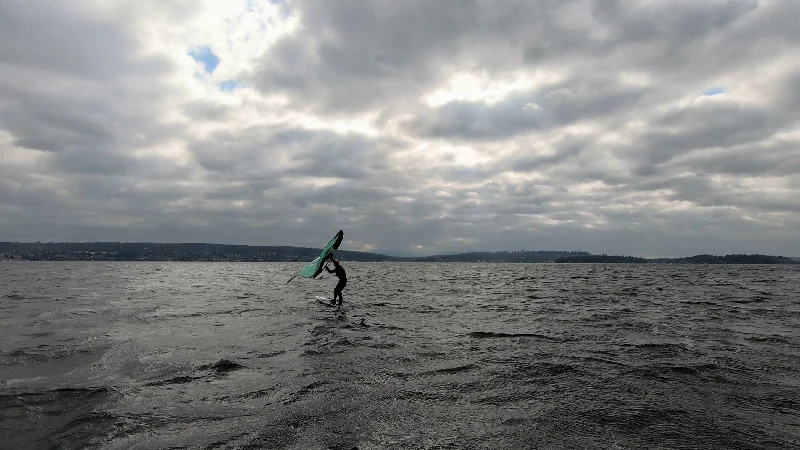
(148, 251)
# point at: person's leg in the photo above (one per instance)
(341, 298)
(336, 294)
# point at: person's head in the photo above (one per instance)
(335, 262)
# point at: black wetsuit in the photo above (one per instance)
(340, 273)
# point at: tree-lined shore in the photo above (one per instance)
(151, 251)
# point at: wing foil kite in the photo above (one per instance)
(312, 269)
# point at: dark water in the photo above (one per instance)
(435, 356)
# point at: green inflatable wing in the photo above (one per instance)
(312, 269)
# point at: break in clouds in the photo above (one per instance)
(650, 128)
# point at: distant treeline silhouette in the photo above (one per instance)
(698, 259)
(153, 251)
(520, 256)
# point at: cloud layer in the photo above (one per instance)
(644, 128)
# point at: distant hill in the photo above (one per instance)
(152, 251)
(521, 256)
(698, 259)
(602, 259)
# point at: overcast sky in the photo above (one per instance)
(649, 128)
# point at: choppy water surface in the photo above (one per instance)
(457, 356)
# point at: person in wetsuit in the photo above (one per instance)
(340, 273)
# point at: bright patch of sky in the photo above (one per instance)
(713, 91)
(205, 56)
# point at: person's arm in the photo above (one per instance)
(329, 270)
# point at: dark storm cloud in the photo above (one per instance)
(527, 162)
(69, 85)
(269, 152)
(717, 126)
(777, 159)
(293, 168)
(350, 54)
(356, 55)
(789, 93)
(63, 36)
(204, 110)
(685, 40)
(341, 196)
(44, 114)
(80, 103)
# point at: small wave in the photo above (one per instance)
(773, 339)
(661, 349)
(94, 419)
(636, 418)
(603, 361)
(605, 316)
(251, 395)
(169, 316)
(315, 352)
(664, 372)
(408, 394)
(319, 330)
(494, 307)
(754, 299)
(456, 369)
(504, 398)
(685, 370)
(382, 345)
(384, 326)
(782, 402)
(176, 380)
(39, 334)
(699, 302)
(68, 415)
(343, 342)
(218, 369)
(326, 348)
(494, 335)
(45, 352)
(432, 354)
(222, 366)
(30, 397)
(312, 388)
(653, 346)
(538, 372)
(272, 354)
